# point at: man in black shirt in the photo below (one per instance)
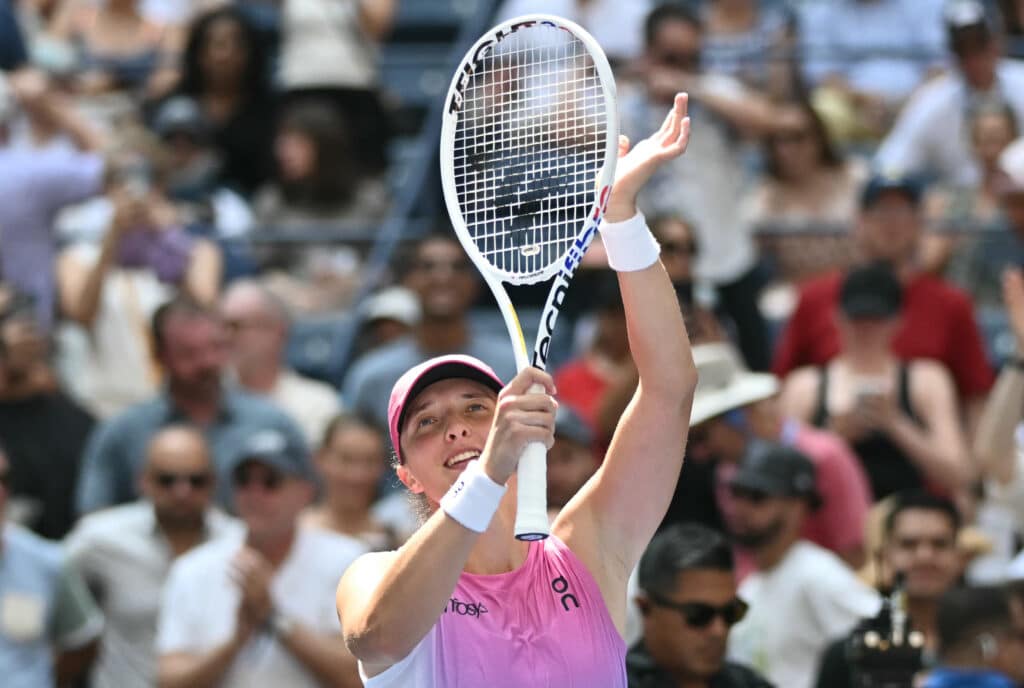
(688, 603)
(43, 432)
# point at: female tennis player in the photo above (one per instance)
(463, 604)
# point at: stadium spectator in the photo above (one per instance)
(861, 77)
(13, 53)
(258, 324)
(36, 183)
(899, 416)
(318, 190)
(810, 588)
(125, 553)
(930, 136)
(351, 462)
(43, 429)
(803, 206)
(110, 288)
(117, 47)
(189, 343)
(255, 611)
(704, 185)
(571, 460)
(734, 411)
(441, 275)
(617, 26)
(688, 601)
(936, 321)
(919, 549)
(225, 69)
(963, 219)
(50, 624)
(1012, 15)
(999, 446)
(388, 314)
(980, 641)
(329, 54)
(979, 264)
(753, 42)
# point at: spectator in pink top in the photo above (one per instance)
(732, 407)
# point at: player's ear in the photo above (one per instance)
(408, 479)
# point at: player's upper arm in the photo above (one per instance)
(354, 593)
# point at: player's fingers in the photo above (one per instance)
(677, 115)
(527, 378)
(623, 144)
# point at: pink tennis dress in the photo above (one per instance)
(544, 625)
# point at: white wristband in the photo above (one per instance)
(630, 246)
(473, 498)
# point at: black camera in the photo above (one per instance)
(886, 651)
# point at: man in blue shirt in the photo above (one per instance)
(190, 344)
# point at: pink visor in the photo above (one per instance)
(427, 373)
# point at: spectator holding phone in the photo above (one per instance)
(112, 289)
(899, 416)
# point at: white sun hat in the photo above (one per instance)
(724, 383)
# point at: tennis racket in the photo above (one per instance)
(528, 149)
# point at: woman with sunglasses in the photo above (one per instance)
(463, 604)
(688, 604)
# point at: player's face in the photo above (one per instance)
(178, 479)
(446, 426)
(890, 228)
(352, 463)
(194, 352)
(687, 649)
(923, 548)
(443, 278)
(570, 465)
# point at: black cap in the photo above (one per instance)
(272, 447)
(777, 470)
(880, 183)
(569, 426)
(181, 115)
(967, 24)
(872, 291)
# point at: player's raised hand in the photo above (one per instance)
(636, 166)
(525, 413)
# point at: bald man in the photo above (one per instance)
(258, 323)
(126, 552)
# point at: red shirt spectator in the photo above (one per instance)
(937, 322)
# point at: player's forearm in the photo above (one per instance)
(412, 593)
(994, 438)
(325, 656)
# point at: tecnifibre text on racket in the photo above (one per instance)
(528, 149)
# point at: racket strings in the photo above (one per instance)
(529, 144)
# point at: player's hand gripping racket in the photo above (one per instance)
(528, 150)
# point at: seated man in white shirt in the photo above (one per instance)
(259, 612)
(801, 596)
(125, 553)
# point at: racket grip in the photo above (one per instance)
(532, 485)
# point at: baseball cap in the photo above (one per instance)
(967, 24)
(418, 378)
(569, 426)
(879, 183)
(273, 448)
(777, 470)
(393, 303)
(872, 291)
(180, 115)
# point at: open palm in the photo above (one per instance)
(636, 166)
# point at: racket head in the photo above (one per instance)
(529, 142)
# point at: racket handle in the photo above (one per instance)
(532, 486)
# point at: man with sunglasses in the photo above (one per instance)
(126, 552)
(256, 610)
(688, 603)
(801, 595)
(437, 270)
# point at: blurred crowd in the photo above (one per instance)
(186, 184)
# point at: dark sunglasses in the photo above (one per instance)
(688, 248)
(270, 480)
(700, 614)
(746, 494)
(197, 481)
(686, 61)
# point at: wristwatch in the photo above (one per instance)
(280, 625)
